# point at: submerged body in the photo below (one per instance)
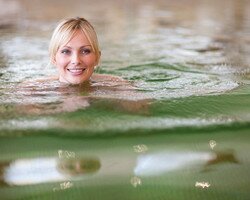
(114, 91)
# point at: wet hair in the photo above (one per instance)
(66, 29)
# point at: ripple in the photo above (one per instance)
(22, 124)
(163, 80)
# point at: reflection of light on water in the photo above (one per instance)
(33, 171)
(42, 170)
(158, 163)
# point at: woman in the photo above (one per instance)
(74, 50)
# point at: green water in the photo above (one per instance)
(181, 133)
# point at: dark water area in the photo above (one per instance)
(181, 131)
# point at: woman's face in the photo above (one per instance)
(76, 60)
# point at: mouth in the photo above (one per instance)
(76, 71)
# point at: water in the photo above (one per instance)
(181, 132)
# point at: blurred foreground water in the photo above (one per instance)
(182, 133)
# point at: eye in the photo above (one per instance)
(65, 51)
(86, 51)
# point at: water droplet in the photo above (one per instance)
(63, 186)
(66, 154)
(135, 181)
(140, 148)
(202, 184)
(66, 185)
(212, 144)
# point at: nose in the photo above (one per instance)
(75, 60)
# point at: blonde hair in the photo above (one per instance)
(65, 31)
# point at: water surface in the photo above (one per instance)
(181, 132)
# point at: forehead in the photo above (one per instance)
(77, 39)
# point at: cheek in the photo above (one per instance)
(92, 60)
(60, 61)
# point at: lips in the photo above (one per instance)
(76, 71)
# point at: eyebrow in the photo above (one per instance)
(80, 47)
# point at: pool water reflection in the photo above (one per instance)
(87, 164)
(44, 170)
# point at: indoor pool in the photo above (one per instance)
(181, 130)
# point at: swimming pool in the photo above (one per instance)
(182, 133)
